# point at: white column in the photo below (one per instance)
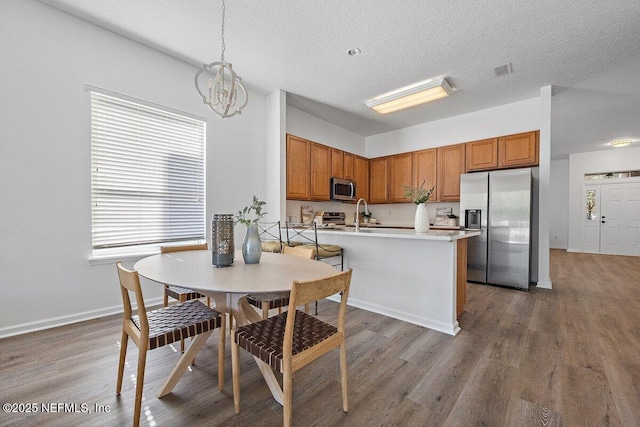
(275, 158)
(544, 280)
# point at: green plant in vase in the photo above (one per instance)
(419, 196)
(251, 247)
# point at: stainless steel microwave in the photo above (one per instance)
(343, 189)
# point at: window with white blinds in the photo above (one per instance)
(147, 174)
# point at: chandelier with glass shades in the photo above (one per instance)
(223, 85)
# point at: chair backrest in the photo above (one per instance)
(314, 290)
(302, 233)
(271, 234)
(130, 282)
(195, 247)
(303, 252)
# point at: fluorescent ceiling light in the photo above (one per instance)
(410, 96)
(621, 143)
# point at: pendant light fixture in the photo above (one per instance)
(221, 95)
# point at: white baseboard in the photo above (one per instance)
(544, 284)
(54, 322)
(385, 311)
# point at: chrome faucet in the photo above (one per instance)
(366, 210)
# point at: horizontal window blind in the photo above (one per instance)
(147, 174)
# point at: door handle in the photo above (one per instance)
(603, 222)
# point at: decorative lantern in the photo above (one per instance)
(222, 248)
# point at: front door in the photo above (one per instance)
(620, 219)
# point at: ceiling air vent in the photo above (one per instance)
(502, 70)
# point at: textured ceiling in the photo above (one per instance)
(588, 50)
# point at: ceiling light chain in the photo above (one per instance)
(222, 36)
(222, 92)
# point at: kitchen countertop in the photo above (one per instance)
(432, 234)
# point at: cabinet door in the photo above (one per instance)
(348, 160)
(298, 163)
(337, 163)
(379, 180)
(451, 163)
(518, 150)
(482, 155)
(320, 171)
(425, 170)
(360, 176)
(401, 174)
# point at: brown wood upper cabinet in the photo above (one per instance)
(348, 170)
(337, 163)
(378, 180)
(298, 162)
(518, 150)
(320, 171)
(425, 170)
(361, 176)
(401, 174)
(451, 163)
(505, 152)
(482, 155)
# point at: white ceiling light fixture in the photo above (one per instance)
(221, 95)
(621, 143)
(410, 96)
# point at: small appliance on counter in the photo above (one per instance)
(335, 218)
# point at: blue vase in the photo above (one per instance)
(252, 246)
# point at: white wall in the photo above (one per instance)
(312, 128)
(45, 221)
(503, 120)
(559, 195)
(610, 160)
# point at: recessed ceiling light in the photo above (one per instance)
(354, 52)
(410, 96)
(621, 143)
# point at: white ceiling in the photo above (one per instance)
(589, 50)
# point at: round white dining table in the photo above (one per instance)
(228, 286)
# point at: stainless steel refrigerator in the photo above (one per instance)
(500, 204)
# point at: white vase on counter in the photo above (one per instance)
(421, 223)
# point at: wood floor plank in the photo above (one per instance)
(624, 379)
(526, 414)
(567, 356)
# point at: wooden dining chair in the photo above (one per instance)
(177, 292)
(267, 301)
(292, 340)
(149, 330)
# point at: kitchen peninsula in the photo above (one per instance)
(417, 278)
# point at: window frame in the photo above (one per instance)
(196, 188)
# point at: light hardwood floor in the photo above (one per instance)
(569, 356)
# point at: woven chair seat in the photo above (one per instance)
(326, 251)
(275, 299)
(272, 246)
(263, 339)
(175, 292)
(180, 321)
